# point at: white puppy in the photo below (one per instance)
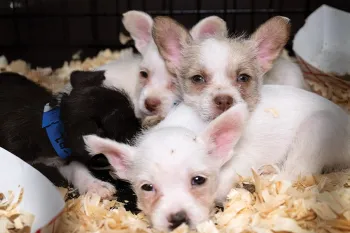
(145, 77)
(286, 72)
(182, 166)
(174, 168)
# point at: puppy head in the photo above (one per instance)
(157, 91)
(215, 72)
(174, 172)
(91, 107)
(81, 79)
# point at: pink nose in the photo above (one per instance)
(223, 102)
(152, 104)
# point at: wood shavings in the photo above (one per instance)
(150, 121)
(11, 219)
(283, 207)
(55, 80)
(3, 62)
(89, 213)
(312, 204)
(273, 111)
(275, 206)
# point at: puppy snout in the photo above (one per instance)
(223, 102)
(177, 219)
(152, 104)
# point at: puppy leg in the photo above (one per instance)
(319, 142)
(80, 177)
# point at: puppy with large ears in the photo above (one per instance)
(151, 85)
(156, 89)
(169, 197)
(283, 71)
(215, 72)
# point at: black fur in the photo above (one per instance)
(22, 104)
(90, 108)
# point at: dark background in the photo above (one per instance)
(48, 32)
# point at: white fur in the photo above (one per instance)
(78, 175)
(127, 76)
(124, 74)
(216, 58)
(167, 157)
(308, 134)
(296, 130)
(286, 72)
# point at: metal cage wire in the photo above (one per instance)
(48, 32)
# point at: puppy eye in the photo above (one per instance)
(198, 180)
(197, 79)
(147, 187)
(243, 78)
(144, 74)
(177, 102)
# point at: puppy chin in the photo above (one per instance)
(210, 115)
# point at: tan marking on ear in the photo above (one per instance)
(277, 30)
(161, 30)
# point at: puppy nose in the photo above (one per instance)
(177, 219)
(223, 102)
(152, 104)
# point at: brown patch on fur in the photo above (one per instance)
(201, 193)
(147, 202)
(151, 121)
(250, 91)
(190, 87)
(166, 30)
(190, 67)
(251, 95)
(272, 36)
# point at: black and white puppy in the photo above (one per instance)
(41, 128)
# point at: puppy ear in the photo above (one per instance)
(224, 132)
(139, 25)
(270, 38)
(119, 155)
(170, 38)
(209, 26)
(86, 78)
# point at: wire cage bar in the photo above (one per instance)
(48, 32)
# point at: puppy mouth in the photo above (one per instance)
(214, 114)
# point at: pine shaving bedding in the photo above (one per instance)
(312, 204)
(259, 205)
(11, 219)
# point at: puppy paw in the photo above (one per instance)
(151, 121)
(104, 189)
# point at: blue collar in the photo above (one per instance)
(54, 128)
